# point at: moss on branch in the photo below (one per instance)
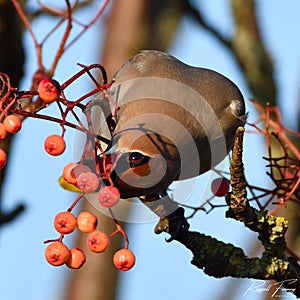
(220, 259)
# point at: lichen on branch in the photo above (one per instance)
(220, 259)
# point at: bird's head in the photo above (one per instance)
(142, 163)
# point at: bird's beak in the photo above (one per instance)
(109, 161)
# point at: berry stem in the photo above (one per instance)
(91, 140)
(112, 101)
(55, 120)
(7, 108)
(75, 103)
(63, 119)
(65, 37)
(119, 229)
(79, 197)
(83, 71)
(59, 239)
(87, 70)
(25, 20)
(87, 26)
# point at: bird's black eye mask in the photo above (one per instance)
(136, 158)
(128, 161)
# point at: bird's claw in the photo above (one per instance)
(175, 224)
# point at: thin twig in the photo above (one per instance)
(61, 48)
(87, 26)
(23, 17)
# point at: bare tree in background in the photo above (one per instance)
(11, 62)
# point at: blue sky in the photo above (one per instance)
(33, 174)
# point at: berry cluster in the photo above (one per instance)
(82, 177)
(77, 176)
(48, 92)
(57, 253)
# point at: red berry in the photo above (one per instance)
(12, 124)
(108, 196)
(49, 90)
(86, 221)
(72, 171)
(68, 175)
(88, 182)
(57, 253)
(65, 222)
(220, 187)
(79, 169)
(54, 145)
(2, 132)
(124, 259)
(3, 158)
(76, 258)
(97, 241)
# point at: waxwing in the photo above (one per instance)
(174, 122)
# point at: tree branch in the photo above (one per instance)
(12, 215)
(246, 46)
(200, 19)
(219, 259)
(251, 52)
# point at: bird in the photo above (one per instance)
(174, 122)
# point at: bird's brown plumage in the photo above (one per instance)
(181, 117)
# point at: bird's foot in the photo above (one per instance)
(172, 218)
(175, 224)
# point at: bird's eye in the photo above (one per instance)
(137, 158)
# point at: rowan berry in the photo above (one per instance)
(86, 222)
(57, 253)
(72, 171)
(12, 124)
(55, 145)
(79, 169)
(97, 241)
(3, 158)
(108, 196)
(68, 173)
(2, 132)
(220, 187)
(65, 222)
(49, 90)
(124, 259)
(88, 182)
(76, 258)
